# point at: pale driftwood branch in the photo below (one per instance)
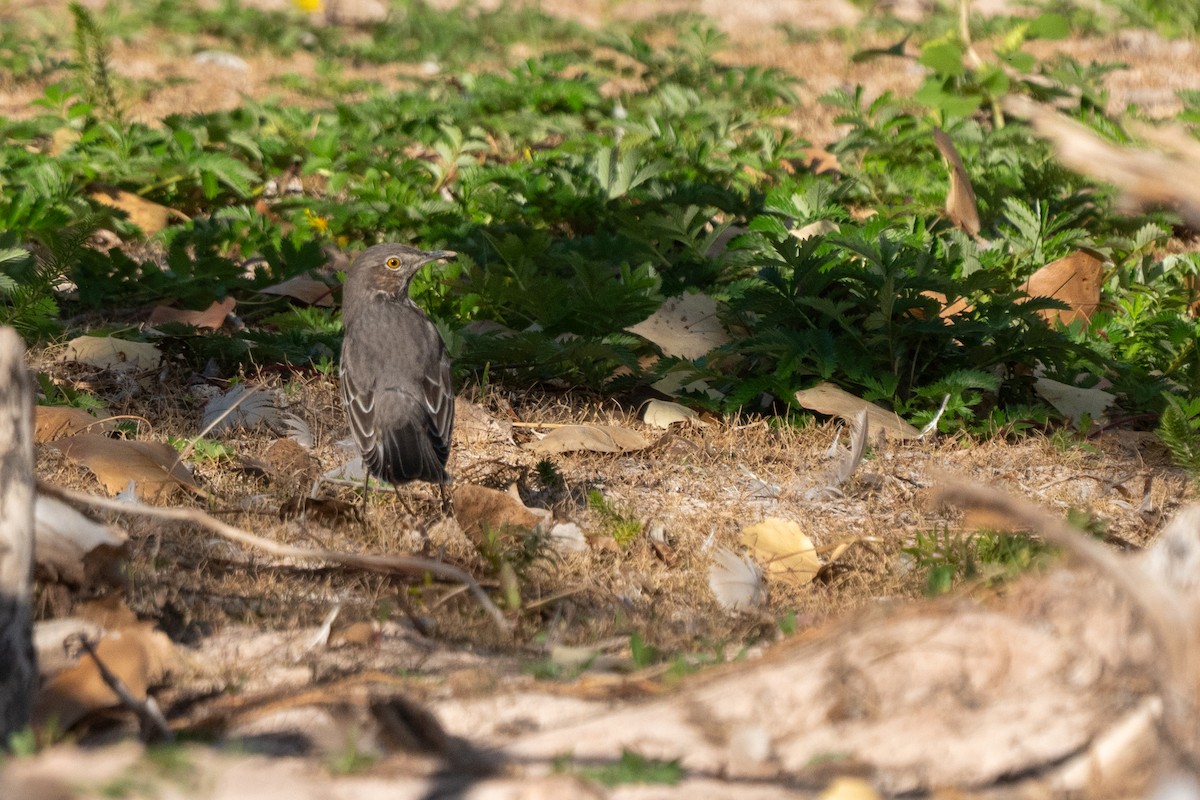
(406, 565)
(1170, 613)
(18, 666)
(1147, 177)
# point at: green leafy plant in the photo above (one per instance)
(1179, 430)
(948, 557)
(615, 521)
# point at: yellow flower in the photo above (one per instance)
(308, 6)
(318, 224)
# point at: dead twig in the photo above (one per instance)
(154, 725)
(405, 565)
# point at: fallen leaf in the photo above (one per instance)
(111, 353)
(55, 422)
(1073, 279)
(1074, 402)
(597, 438)
(116, 462)
(71, 548)
(676, 382)
(828, 399)
(789, 554)
(820, 160)
(736, 581)
(846, 788)
(961, 207)
(664, 414)
(212, 317)
(480, 510)
(305, 289)
(818, 228)
(146, 214)
(948, 309)
(686, 326)
(140, 656)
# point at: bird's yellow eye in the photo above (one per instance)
(393, 263)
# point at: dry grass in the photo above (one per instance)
(698, 485)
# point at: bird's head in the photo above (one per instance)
(388, 268)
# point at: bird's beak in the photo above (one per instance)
(438, 255)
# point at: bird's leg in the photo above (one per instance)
(403, 502)
(365, 495)
(447, 501)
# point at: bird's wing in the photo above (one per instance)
(439, 402)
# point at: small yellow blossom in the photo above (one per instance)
(308, 6)
(317, 223)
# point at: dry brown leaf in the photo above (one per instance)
(961, 207)
(948, 309)
(597, 438)
(108, 352)
(146, 214)
(1073, 279)
(664, 414)
(686, 326)
(1074, 402)
(116, 462)
(304, 289)
(819, 228)
(55, 422)
(140, 656)
(828, 399)
(787, 552)
(212, 317)
(820, 160)
(480, 510)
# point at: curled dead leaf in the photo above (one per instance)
(305, 289)
(828, 399)
(664, 414)
(1073, 279)
(212, 317)
(115, 462)
(139, 656)
(111, 353)
(788, 553)
(480, 510)
(597, 438)
(146, 214)
(56, 422)
(686, 326)
(961, 206)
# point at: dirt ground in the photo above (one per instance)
(250, 661)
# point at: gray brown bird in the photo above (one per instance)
(395, 372)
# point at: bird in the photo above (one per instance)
(394, 371)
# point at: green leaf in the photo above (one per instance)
(1049, 26)
(945, 58)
